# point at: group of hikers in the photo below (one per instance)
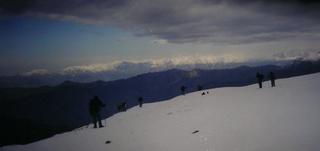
(95, 104)
(260, 78)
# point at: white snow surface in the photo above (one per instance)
(284, 118)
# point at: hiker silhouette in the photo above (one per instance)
(122, 107)
(140, 101)
(183, 89)
(260, 78)
(272, 78)
(95, 106)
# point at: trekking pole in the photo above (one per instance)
(105, 119)
(87, 126)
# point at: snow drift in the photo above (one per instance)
(284, 118)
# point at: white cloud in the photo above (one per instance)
(89, 68)
(298, 54)
(197, 59)
(36, 72)
(182, 62)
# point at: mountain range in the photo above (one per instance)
(115, 71)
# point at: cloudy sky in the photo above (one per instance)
(54, 35)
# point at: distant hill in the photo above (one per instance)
(66, 104)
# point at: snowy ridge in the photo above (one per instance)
(284, 118)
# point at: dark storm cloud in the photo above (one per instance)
(14, 6)
(182, 21)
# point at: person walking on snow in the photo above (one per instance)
(272, 79)
(259, 78)
(140, 101)
(95, 106)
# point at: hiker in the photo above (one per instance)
(119, 108)
(272, 79)
(122, 107)
(259, 78)
(183, 90)
(203, 93)
(95, 106)
(140, 101)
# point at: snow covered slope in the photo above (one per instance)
(284, 118)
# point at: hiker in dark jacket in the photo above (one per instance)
(183, 89)
(95, 106)
(140, 101)
(259, 78)
(272, 79)
(122, 107)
